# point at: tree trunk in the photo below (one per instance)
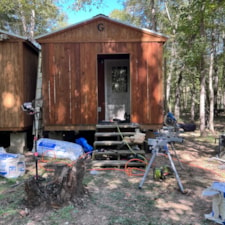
(223, 73)
(177, 95)
(202, 77)
(193, 96)
(23, 19)
(169, 77)
(32, 26)
(153, 16)
(172, 57)
(202, 102)
(215, 88)
(65, 187)
(211, 90)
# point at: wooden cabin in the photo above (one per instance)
(18, 71)
(100, 70)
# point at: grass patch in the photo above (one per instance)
(152, 185)
(116, 195)
(114, 220)
(11, 204)
(62, 214)
(88, 179)
(206, 139)
(146, 202)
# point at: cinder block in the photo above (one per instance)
(18, 142)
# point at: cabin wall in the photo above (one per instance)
(30, 64)
(10, 85)
(70, 82)
(69, 85)
(147, 84)
(17, 68)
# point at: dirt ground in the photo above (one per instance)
(113, 196)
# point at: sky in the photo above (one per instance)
(107, 7)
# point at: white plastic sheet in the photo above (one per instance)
(59, 149)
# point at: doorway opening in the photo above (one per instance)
(114, 87)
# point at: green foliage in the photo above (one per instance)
(195, 27)
(86, 5)
(138, 13)
(121, 15)
(30, 18)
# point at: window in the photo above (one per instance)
(119, 79)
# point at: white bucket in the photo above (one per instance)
(217, 191)
(12, 165)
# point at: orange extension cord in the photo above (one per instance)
(129, 171)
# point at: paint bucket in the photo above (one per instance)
(12, 165)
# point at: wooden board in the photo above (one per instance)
(115, 163)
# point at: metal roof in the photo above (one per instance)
(34, 43)
(105, 17)
(12, 34)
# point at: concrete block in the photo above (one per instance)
(18, 142)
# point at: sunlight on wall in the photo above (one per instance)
(8, 100)
(61, 113)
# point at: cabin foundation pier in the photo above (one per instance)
(18, 142)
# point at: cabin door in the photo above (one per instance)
(117, 89)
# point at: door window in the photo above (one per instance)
(119, 79)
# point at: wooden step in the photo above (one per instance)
(116, 154)
(116, 163)
(107, 143)
(113, 134)
(119, 152)
(119, 125)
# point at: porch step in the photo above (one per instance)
(116, 163)
(118, 125)
(110, 148)
(113, 134)
(107, 143)
(116, 154)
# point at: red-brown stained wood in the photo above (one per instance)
(76, 86)
(70, 72)
(113, 31)
(18, 70)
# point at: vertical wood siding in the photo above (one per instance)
(70, 81)
(69, 85)
(70, 73)
(18, 66)
(28, 84)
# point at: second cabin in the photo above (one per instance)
(101, 70)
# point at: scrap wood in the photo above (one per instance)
(218, 159)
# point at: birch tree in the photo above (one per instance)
(30, 18)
